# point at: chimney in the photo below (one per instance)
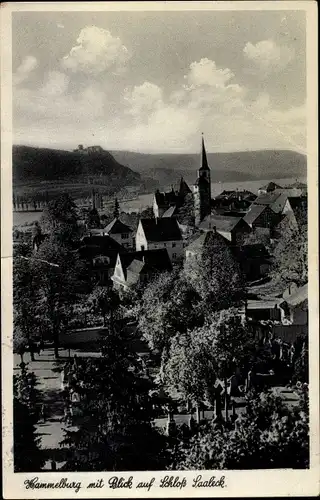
(215, 229)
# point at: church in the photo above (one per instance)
(167, 204)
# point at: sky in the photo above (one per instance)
(154, 81)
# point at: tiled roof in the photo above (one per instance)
(116, 227)
(165, 199)
(279, 203)
(146, 261)
(92, 246)
(164, 229)
(266, 199)
(266, 303)
(245, 195)
(209, 237)
(221, 222)
(254, 212)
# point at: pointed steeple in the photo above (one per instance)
(184, 188)
(203, 160)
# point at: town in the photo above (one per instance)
(164, 340)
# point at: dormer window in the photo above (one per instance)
(125, 236)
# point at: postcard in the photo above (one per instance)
(159, 250)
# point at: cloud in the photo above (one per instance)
(143, 99)
(97, 51)
(26, 67)
(212, 102)
(267, 56)
(207, 99)
(205, 72)
(56, 84)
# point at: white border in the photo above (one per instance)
(238, 483)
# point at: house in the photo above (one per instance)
(138, 267)
(174, 199)
(255, 261)
(261, 216)
(233, 201)
(297, 207)
(120, 232)
(295, 305)
(269, 188)
(198, 245)
(231, 228)
(154, 234)
(265, 309)
(100, 253)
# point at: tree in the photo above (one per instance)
(60, 219)
(27, 455)
(114, 430)
(104, 301)
(169, 305)
(63, 279)
(215, 274)
(269, 435)
(147, 213)
(93, 218)
(290, 263)
(186, 211)
(116, 210)
(215, 350)
(26, 296)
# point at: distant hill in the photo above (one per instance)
(40, 168)
(225, 167)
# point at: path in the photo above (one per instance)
(49, 385)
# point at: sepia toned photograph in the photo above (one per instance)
(159, 244)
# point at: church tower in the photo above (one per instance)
(202, 188)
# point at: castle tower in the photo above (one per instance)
(202, 188)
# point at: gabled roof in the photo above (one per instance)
(230, 195)
(145, 261)
(165, 199)
(184, 188)
(279, 203)
(267, 199)
(116, 227)
(208, 237)
(164, 229)
(254, 212)
(92, 246)
(220, 222)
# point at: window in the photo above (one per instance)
(142, 248)
(174, 255)
(173, 245)
(125, 236)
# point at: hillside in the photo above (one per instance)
(43, 170)
(36, 169)
(225, 167)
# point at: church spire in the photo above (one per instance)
(203, 159)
